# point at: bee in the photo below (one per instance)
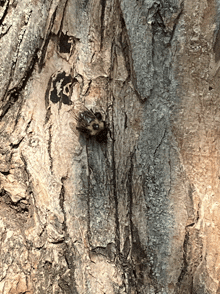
(91, 124)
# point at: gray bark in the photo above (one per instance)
(140, 213)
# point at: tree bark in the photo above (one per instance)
(140, 213)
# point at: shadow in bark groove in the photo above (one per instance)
(21, 208)
(67, 282)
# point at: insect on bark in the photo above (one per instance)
(90, 123)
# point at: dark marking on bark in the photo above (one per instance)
(115, 193)
(62, 199)
(103, 4)
(5, 33)
(19, 113)
(88, 88)
(192, 250)
(54, 95)
(130, 196)
(29, 71)
(43, 227)
(126, 121)
(47, 93)
(114, 175)
(49, 148)
(59, 88)
(48, 115)
(29, 185)
(126, 248)
(190, 192)
(2, 3)
(47, 266)
(125, 46)
(159, 21)
(197, 213)
(185, 263)
(160, 143)
(13, 98)
(5, 173)
(15, 146)
(25, 165)
(29, 244)
(66, 43)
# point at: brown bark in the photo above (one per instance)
(138, 214)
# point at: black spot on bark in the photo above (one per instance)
(67, 81)
(65, 43)
(54, 96)
(59, 88)
(5, 173)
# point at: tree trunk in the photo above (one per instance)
(140, 213)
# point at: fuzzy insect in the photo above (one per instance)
(91, 124)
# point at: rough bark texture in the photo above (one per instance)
(139, 214)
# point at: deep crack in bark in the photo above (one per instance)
(68, 285)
